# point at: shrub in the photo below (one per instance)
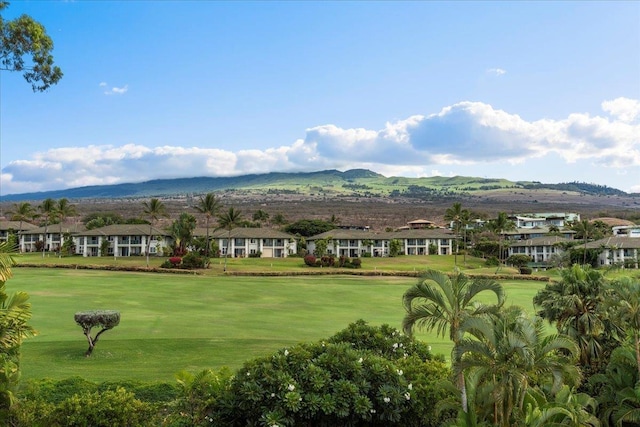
(175, 260)
(310, 260)
(192, 261)
(110, 408)
(356, 378)
(519, 260)
(356, 263)
(526, 270)
(327, 261)
(257, 254)
(492, 261)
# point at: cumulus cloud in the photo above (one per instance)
(457, 137)
(496, 71)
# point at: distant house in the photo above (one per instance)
(124, 240)
(52, 236)
(9, 227)
(544, 219)
(527, 233)
(539, 248)
(244, 242)
(357, 243)
(418, 224)
(618, 250)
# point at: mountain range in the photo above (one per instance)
(327, 183)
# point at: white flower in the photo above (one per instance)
(386, 400)
(291, 387)
(373, 411)
(410, 386)
(399, 371)
(286, 352)
(273, 395)
(248, 374)
(407, 396)
(395, 345)
(360, 360)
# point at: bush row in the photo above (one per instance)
(331, 261)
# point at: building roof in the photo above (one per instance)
(15, 225)
(541, 241)
(537, 229)
(124, 230)
(413, 233)
(244, 233)
(616, 242)
(55, 228)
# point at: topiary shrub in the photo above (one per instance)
(105, 319)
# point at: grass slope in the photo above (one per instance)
(170, 323)
(356, 182)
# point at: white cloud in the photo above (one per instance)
(117, 90)
(496, 71)
(624, 109)
(102, 84)
(459, 138)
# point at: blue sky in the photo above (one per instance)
(545, 91)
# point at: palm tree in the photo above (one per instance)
(15, 312)
(229, 220)
(625, 305)
(512, 353)
(583, 230)
(64, 210)
(210, 206)
(182, 231)
(576, 305)
(501, 225)
(260, 216)
(446, 303)
(154, 209)
(456, 215)
(48, 210)
(619, 389)
(22, 211)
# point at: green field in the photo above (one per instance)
(172, 322)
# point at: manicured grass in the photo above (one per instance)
(170, 322)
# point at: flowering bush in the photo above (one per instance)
(310, 260)
(175, 260)
(335, 382)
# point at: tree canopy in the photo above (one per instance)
(26, 47)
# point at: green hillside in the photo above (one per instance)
(329, 183)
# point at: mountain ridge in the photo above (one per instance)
(330, 182)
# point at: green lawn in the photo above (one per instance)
(175, 322)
